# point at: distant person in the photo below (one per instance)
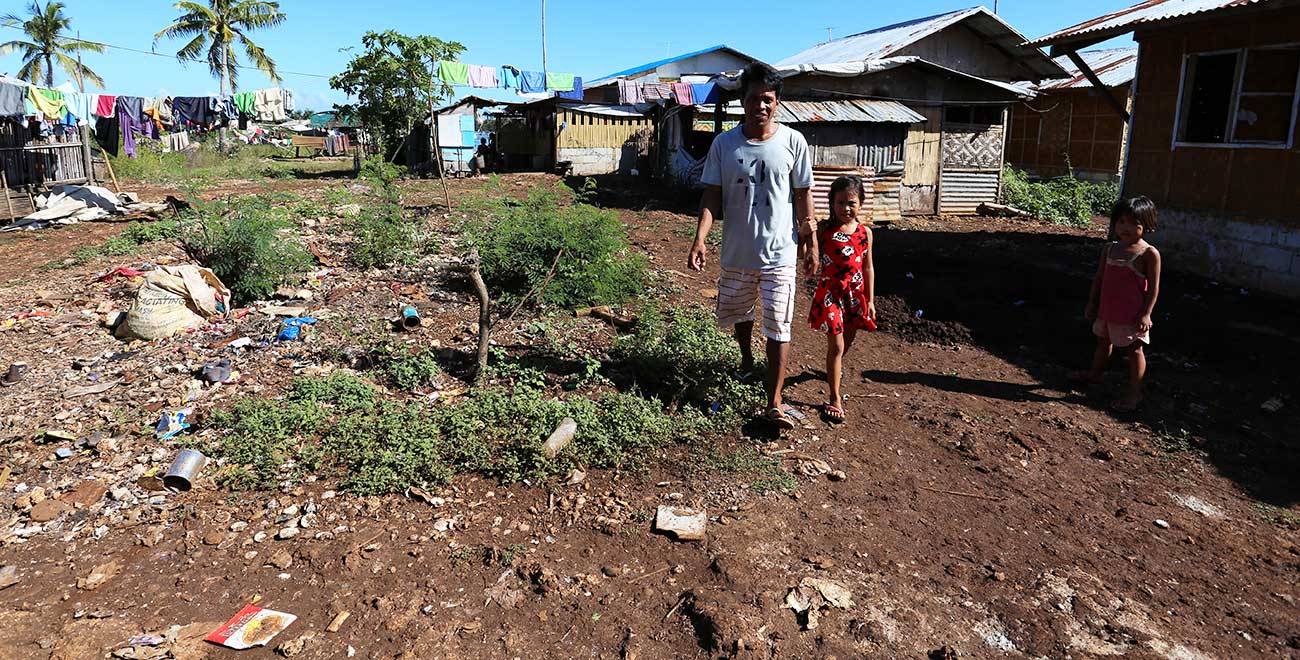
(479, 163)
(1123, 296)
(844, 302)
(757, 178)
(498, 159)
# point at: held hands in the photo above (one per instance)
(695, 260)
(1143, 323)
(809, 263)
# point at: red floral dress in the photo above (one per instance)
(840, 300)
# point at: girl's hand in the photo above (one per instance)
(871, 309)
(1144, 323)
(1090, 312)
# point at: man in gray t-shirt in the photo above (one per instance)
(758, 178)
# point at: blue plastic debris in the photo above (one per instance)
(293, 328)
(171, 423)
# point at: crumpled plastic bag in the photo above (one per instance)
(172, 299)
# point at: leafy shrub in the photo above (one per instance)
(124, 244)
(410, 371)
(518, 241)
(384, 237)
(394, 447)
(151, 232)
(1063, 200)
(246, 242)
(263, 436)
(680, 355)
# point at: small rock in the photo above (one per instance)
(286, 533)
(86, 493)
(837, 475)
(8, 576)
(281, 559)
(120, 494)
(238, 526)
(250, 555)
(611, 571)
(1162, 524)
(98, 576)
(62, 453)
(214, 537)
(259, 537)
(684, 524)
(48, 510)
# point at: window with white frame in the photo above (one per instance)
(1240, 97)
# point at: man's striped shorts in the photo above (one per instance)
(740, 290)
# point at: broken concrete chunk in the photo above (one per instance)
(684, 524)
(98, 576)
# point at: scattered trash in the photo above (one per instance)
(919, 312)
(217, 371)
(186, 464)
(56, 435)
(417, 493)
(410, 318)
(146, 640)
(119, 271)
(62, 453)
(293, 328)
(1198, 505)
(171, 423)
(576, 477)
(1162, 524)
(560, 438)
(16, 373)
(252, 626)
(682, 523)
(814, 595)
(172, 299)
(1272, 405)
(74, 392)
(284, 310)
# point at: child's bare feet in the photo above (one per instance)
(1084, 378)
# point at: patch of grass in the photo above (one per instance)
(384, 236)
(1173, 442)
(1276, 515)
(1063, 200)
(202, 162)
(519, 240)
(124, 244)
(687, 231)
(410, 371)
(247, 242)
(765, 474)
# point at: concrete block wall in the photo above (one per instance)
(592, 160)
(1262, 255)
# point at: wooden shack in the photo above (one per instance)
(30, 162)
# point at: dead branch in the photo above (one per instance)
(538, 288)
(484, 313)
(956, 492)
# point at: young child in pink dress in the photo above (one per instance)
(1124, 292)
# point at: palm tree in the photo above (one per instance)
(46, 44)
(217, 27)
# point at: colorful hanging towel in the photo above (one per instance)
(533, 82)
(244, 102)
(630, 92)
(682, 92)
(80, 105)
(48, 102)
(559, 82)
(13, 100)
(576, 94)
(510, 78)
(104, 106)
(482, 76)
(657, 92)
(704, 93)
(453, 73)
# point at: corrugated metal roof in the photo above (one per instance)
(649, 66)
(1114, 66)
(885, 41)
(1125, 20)
(865, 110)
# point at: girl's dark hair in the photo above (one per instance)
(850, 183)
(1140, 208)
(761, 75)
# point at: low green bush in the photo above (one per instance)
(519, 240)
(384, 236)
(681, 354)
(1063, 200)
(410, 371)
(247, 242)
(124, 244)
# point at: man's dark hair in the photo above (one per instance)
(762, 76)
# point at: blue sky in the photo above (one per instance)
(587, 38)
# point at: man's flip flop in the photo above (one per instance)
(833, 413)
(776, 418)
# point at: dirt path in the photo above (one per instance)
(985, 508)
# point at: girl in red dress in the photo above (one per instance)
(845, 299)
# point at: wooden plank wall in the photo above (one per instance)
(585, 130)
(29, 160)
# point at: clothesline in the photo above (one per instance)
(459, 74)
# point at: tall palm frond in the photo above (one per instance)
(214, 29)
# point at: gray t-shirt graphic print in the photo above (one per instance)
(758, 179)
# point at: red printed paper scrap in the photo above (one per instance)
(253, 626)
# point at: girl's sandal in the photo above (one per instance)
(777, 418)
(833, 413)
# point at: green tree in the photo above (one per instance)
(393, 82)
(217, 27)
(46, 44)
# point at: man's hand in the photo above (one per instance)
(1090, 312)
(695, 260)
(1143, 323)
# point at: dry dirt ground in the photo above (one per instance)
(986, 509)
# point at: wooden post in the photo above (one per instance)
(109, 164)
(1096, 83)
(86, 155)
(434, 152)
(472, 263)
(4, 181)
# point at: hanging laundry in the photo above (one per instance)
(576, 94)
(630, 92)
(453, 73)
(105, 105)
(128, 111)
(657, 92)
(482, 76)
(704, 93)
(107, 134)
(192, 110)
(559, 82)
(13, 100)
(78, 104)
(682, 93)
(48, 102)
(244, 102)
(287, 95)
(268, 105)
(532, 82)
(510, 78)
(153, 118)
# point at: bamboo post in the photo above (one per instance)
(9, 202)
(109, 164)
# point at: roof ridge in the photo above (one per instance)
(914, 21)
